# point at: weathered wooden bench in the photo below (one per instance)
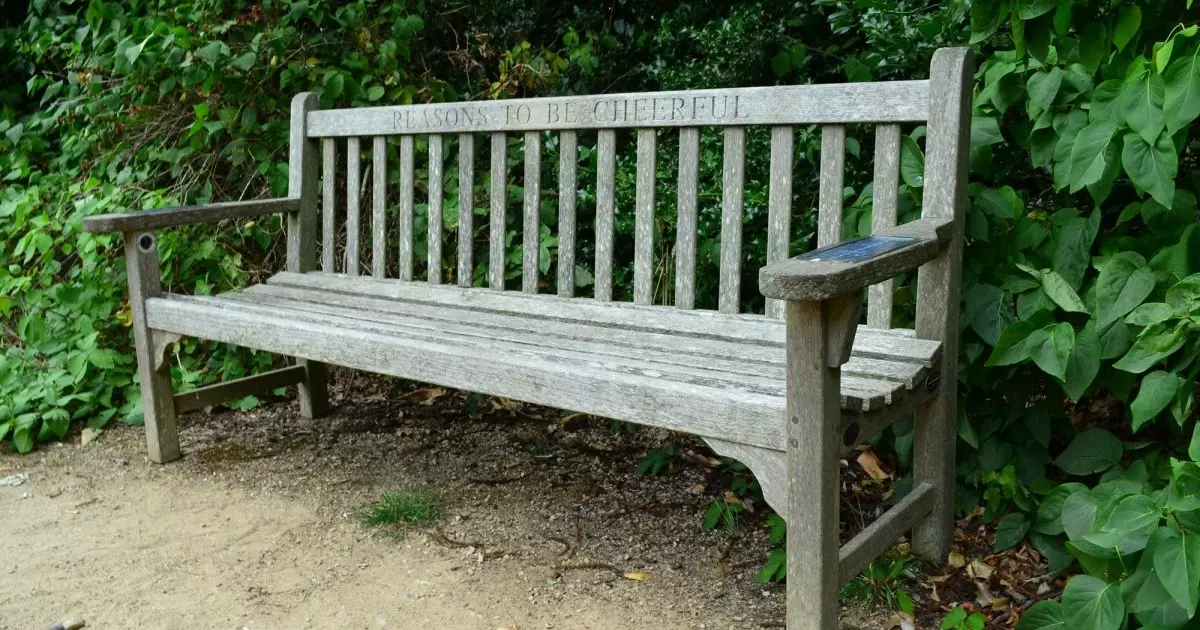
(786, 393)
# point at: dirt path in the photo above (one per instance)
(257, 528)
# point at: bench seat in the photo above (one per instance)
(717, 375)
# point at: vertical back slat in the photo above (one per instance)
(779, 203)
(379, 207)
(466, 209)
(353, 181)
(436, 159)
(643, 237)
(733, 181)
(531, 227)
(884, 214)
(685, 224)
(406, 208)
(499, 208)
(829, 208)
(329, 198)
(606, 173)
(568, 154)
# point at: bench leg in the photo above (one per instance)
(814, 414)
(933, 463)
(314, 391)
(154, 372)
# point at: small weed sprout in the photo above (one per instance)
(403, 508)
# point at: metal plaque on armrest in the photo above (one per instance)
(859, 249)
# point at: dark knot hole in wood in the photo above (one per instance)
(850, 435)
(145, 243)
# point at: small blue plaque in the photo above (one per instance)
(859, 249)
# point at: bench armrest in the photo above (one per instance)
(850, 266)
(146, 220)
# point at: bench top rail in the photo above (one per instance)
(836, 103)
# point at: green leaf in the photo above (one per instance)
(1061, 292)
(1152, 168)
(133, 52)
(375, 92)
(1042, 88)
(1127, 526)
(1084, 363)
(1093, 45)
(1038, 33)
(1150, 313)
(986, 18)
(22, 440)
(1124, 282)
(1129, 20)
(212, 52)
(1184, 296)
(985, 131)
(1090, 154)
(1044, 615)
(1182, 102)
(912, 163)
(1050, 347)
(1011, 531)
(244, 61)
(1029, 9)
(1142, 105)
(1091, 452)
(1089, 602)
(781, 64)
(1105, 103)
(1012, 346)
(1183, 493)
(989, 311)
(1177, 562)
(1152, 345)
(1194, 446)
(1050, 510)
(1053, 549)
(1157, 391)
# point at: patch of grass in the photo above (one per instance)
(403, 508)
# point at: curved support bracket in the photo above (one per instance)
(160, 343)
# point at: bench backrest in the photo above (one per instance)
(463, 125)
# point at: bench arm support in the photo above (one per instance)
(809, 278)
(149, 220)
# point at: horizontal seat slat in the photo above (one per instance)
(892, 344)
(729, 414)
(647, 346)
(865, 387)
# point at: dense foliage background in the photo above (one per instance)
(1082, 300)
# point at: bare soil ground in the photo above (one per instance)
(257, 527)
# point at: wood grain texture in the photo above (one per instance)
(606, 182)
(353, 205)
(466, 210)
(218, 393)
(407, 207)
(757, 330)
(379, 248)
(313, 392)
(814, 441)
(643, 236)
(531, 228)
(436, 193)
(158, 407)
(815, 279)
(882, 534)
(686, 218)
(187, 215)
(328, 205)
(498, 210)
(733, 177)
(779, 203)
(947, 146)
(833, 173)
(568, 158)
(893, 101)
(885, 198)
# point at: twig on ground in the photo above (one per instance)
(588, 565)
(497, 481)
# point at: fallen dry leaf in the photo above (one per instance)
(901, 621)
(870, 465)
(979, 570)
(423, 396)
(637, 576)
(957, 560)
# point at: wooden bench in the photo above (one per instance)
(786, 393)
